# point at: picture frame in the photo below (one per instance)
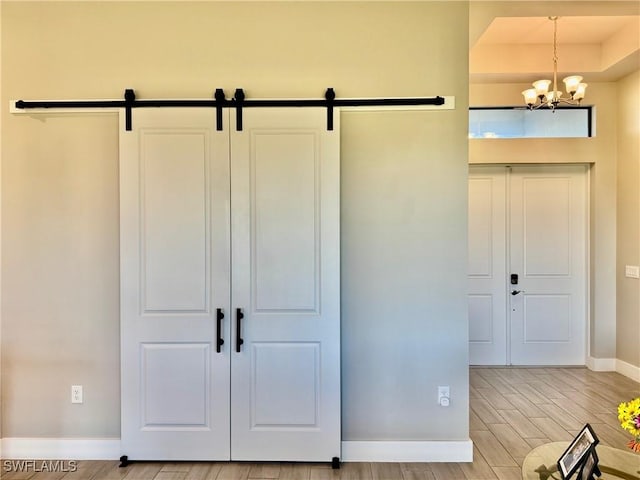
(589, 467)
(577, 451)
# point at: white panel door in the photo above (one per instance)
(548, 252)
(529, 221)
(190, 196)
(285, 387)
(175, 251)
(487, 266)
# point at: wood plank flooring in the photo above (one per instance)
(512, 411)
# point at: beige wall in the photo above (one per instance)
(628, 230)
(60, 288)
(600, 152)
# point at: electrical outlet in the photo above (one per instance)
(443, 395)
(76, 394)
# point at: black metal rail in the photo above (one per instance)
(238, 102)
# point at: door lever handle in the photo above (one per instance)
(239, 340)
(516, 292)
(219, 339)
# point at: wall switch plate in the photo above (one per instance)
(632, 271)
(76, 394)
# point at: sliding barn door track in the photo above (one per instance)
(238, 102)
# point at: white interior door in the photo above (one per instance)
(529, 221)
(190, 196)
(175, 251)
(549, 255)
(487, 266)
(286, 282)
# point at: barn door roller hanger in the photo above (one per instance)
(238, 102)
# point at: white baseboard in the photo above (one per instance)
(61, 448)
(614, 365)
(407, 451)
(628, 370)
(601, 364)
(109, 449)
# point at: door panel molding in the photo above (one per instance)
(284, 250)
(171, 374)
(285, 379)
(175, 211)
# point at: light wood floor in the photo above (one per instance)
(512, 411)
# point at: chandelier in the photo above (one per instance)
(540, 96)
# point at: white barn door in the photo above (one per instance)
(174, 275)
(246, 222)
(286, 263)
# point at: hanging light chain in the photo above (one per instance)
(555, 56)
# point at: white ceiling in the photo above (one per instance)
(516, 49)
(571, 30)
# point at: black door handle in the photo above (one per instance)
(516, 292)
(219, 339)
(239, 340)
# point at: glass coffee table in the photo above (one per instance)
(615, 464)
